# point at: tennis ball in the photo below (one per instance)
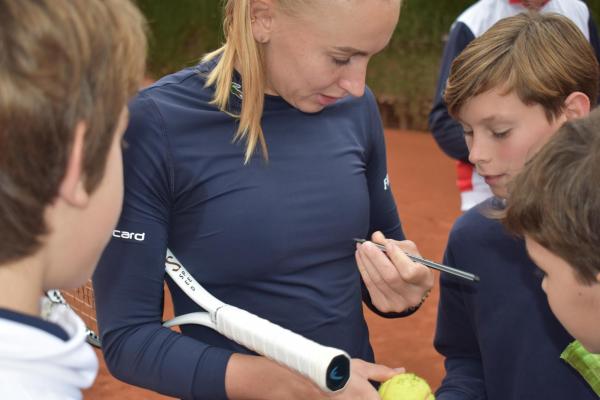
(406, 387)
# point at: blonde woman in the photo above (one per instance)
(257, 168)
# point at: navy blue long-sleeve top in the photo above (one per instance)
(274, 238)
(472, 23)
(499, 337)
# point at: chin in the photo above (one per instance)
(591, 346)
(310, 108)
(501, 193)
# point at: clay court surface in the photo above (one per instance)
(422, 179)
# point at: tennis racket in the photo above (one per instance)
(81, 300)
(327, 367)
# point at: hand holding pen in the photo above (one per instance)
(440, 267)
(395, 283)
(395, 275)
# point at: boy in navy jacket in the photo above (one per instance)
(511, 89)
(555, 205)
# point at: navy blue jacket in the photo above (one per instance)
(499, 336)
(274, 238)
(473, 23)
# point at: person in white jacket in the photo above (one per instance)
(67, 71)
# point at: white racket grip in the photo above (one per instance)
(327, 367)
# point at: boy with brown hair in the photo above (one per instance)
(472, 23)
(511, 89)
(67, 71)
(555, 205)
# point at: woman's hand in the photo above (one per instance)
(395, 282)
(254, 377)
(359, 387)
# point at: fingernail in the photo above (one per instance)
(400, 370)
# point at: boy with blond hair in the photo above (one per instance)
(511, 89)
(555, 206)
(470, 24)
(67, 70)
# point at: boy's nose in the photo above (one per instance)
(477, 150)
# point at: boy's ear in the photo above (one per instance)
(598, 277)
(72, 188)
(576, 105)
(261, 17)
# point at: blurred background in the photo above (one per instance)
(403, 76)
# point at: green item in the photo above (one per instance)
(406, 387)
(586, 363)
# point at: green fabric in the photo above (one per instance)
(586, 363)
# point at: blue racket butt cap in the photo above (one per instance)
(338, 373)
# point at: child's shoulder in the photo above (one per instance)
(46, 354)
(478, 224)
(479, 235)
(17, 323)
(480, 16)
(478, 215)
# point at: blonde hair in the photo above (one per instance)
(542, 57)
(240, 46)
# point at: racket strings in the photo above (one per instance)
(83, 302)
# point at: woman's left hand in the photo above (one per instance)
(395, 282)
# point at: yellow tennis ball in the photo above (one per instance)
(406, 387)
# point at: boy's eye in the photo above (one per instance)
(500, 135)
(468, 133)
(341, 61)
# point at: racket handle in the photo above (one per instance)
(327, 367)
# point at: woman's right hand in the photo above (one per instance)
(359, 387)
(254, 377)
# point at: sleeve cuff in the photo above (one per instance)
(209, 377)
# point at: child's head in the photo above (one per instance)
(555, 205)
(67, 71)
(512, 87)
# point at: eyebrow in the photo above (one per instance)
(351, 50)
(495, 118)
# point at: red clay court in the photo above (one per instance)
(422, 179)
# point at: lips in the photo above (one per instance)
(492, 180)
(327, 100)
